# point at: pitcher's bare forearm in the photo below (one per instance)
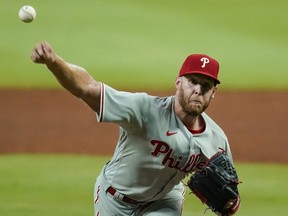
(72, 77)
(77, 81)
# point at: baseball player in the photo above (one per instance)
(161, 139)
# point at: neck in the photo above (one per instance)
(192, 122)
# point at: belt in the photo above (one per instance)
(125, 199)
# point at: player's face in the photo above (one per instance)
(194, 93)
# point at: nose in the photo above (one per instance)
(197, 89)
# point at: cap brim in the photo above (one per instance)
(201, 72)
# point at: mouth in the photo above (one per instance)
(197, 102)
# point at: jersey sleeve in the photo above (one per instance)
(123, 108)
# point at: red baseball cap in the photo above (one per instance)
(200, 64)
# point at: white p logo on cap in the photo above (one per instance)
(205, 61)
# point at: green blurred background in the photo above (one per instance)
(129, 44)
(146, 41)
(57, 185)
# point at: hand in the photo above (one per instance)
(43, 53)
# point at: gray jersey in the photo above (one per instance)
(155, 151)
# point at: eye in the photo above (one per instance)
(193, 81)
(206, 86)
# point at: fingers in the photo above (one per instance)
(42, 53)
(36, 55)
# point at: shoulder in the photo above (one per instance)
(162, 102)
(142, 98)
(213, 126)
(212, 139)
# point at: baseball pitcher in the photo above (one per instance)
(161, 139)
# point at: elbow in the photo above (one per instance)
(80, 91)
(90, 93)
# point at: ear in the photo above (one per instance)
(214, 92)
(177, 82)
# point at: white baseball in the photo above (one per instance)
(27, 13)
